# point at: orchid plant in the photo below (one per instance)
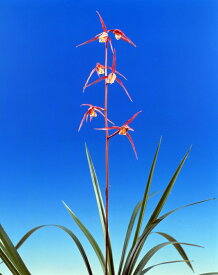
(130, 261)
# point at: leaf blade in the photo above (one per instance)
(145, 197)
(100, 206)
(178, 247)
(89, 236)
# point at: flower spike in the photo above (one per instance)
(111, 78)
(123, 130)
(92, 112)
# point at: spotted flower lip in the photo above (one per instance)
(99, 69)
(109, 79)
(123, 130)
(121, 35)
(92, 112)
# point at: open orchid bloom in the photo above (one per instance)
(111, 78)
(92, 112)
(101, 37)
(121, 35)
(123, 130)
(99, 69)
(104, 38)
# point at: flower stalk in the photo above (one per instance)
(106, 161)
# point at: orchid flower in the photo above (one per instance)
(99, 69)
(121, 35)
(110, 78)
(92, 112)
(101, 37)
(104, 38)
(123, 130)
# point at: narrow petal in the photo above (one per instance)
(87, 81)
(125, 38)
(104, 115)
(132, 118)
(121, 84)
(121, 74)
(90, 105)
(109, 128)
(98, 108)
(96, 81)
(102, 22)
(86, 42)
(114, 134)
(114, 62)
(84, 117)
(132, 143)
(112, 49)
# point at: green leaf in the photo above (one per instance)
(212, 273)
(134, 251)
(12, 253)
(167, 191)
(145, 197)
(151, 253)
(89, 236)
(128, 234)
(178, 247)
(7, 260)
(129, 231)
(150, 267)
(100, 205)
(161, 202)
(69, 232)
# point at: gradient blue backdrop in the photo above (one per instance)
(172, 77)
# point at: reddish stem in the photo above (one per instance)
(106, 162)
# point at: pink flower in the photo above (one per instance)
(111, 78)
(103, 36)
(92, 112)
(99, 69)
(121, 35)
(123, 130)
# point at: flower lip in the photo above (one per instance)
(111, 78)
(103, 37)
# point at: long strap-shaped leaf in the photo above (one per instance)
(134, 252)
(150, 267)
(167, 191)
(12, 253)
(178, 247)
(129, 231)
(89, 236)
(161, 203)
(69, 232)
(212, 273)
(7, 260)
(128, 234)
(100, 205)
(145, 197)
(151, 253)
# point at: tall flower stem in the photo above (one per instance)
(106, 161)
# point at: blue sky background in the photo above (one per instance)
(172, 77)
